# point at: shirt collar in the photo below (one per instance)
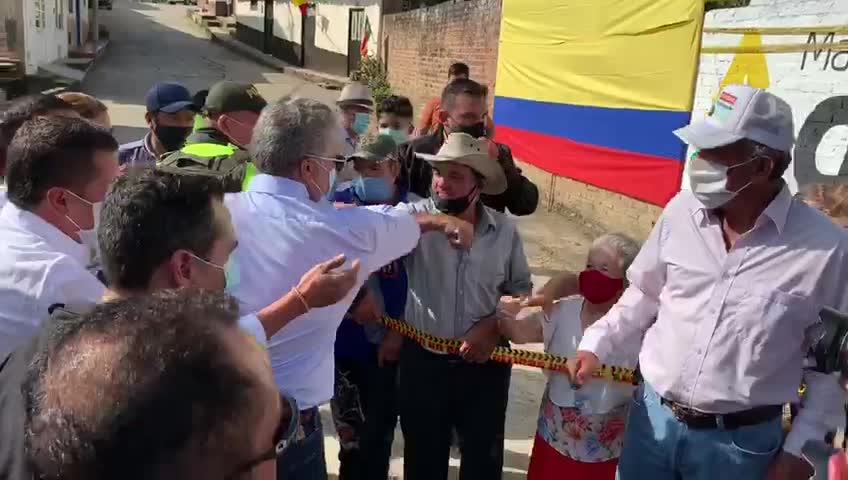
(54, 237)
(486, 222)
(264, 183)
(147, 143)
(777, 211)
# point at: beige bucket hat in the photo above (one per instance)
(474, 153)
(355, 94)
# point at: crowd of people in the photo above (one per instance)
(181, 306)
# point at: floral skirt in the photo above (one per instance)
(589, 438)
(547, 463)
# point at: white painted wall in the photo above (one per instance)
(47, 43)
(287, 19)
(804, 80)
(332, 24)
(288, 22)
(72, 20)
(248, 16)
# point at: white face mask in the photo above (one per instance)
(88, 237)
(708, 181)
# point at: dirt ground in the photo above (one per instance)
(552, 243)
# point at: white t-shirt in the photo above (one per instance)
(562, 332)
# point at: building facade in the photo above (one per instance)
(327, 39)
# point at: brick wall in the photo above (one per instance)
(420, 45)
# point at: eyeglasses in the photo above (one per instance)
(285, 436)
(339, 160)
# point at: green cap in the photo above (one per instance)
(225, 97)
(376, 148)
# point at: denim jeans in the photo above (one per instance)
(659, 447)
(304, 460)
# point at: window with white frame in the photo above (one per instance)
(40, 13)
(59, 9)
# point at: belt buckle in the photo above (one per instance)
(678, 412)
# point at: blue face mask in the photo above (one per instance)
(330, 195)
(361, 122)
(373, 190)
(399, 136)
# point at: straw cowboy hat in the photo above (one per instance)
(474, 153)
(355, 94)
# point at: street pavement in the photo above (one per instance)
(157, 42)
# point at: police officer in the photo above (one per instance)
(229, 114)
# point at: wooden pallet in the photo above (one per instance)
(10, 67)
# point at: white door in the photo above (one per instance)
(45, 37)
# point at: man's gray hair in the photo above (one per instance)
(624, 247)
(286, 131)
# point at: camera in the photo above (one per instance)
(830, 350)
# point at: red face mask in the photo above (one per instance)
(596, 287)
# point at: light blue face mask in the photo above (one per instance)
(361, 122)
(330, 195)
(232, 274)
(399, 136)
(373, 190)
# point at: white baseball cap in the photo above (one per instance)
(742, 111)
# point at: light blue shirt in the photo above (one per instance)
(281, 235)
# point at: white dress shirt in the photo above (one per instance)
(282, 234)
(726, 330)
(39, 266)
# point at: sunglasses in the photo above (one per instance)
(284, 437)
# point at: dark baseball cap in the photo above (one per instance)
(377, 148)
(225, 97)
(169, 97)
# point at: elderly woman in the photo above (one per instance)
(832, 200)
(580, 432)
(88, 108)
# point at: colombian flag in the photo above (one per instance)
(592, 89)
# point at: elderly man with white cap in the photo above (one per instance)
(455, 295)
(726, 292)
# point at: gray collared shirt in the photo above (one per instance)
(450, 290)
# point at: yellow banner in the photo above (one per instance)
(639, 54)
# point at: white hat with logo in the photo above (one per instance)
(739, 112)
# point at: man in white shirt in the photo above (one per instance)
(57, 174)
(726, 292)
(140, 261)
(284, 223)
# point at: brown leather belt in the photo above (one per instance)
(728, 421)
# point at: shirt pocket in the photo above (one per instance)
(770, 322)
